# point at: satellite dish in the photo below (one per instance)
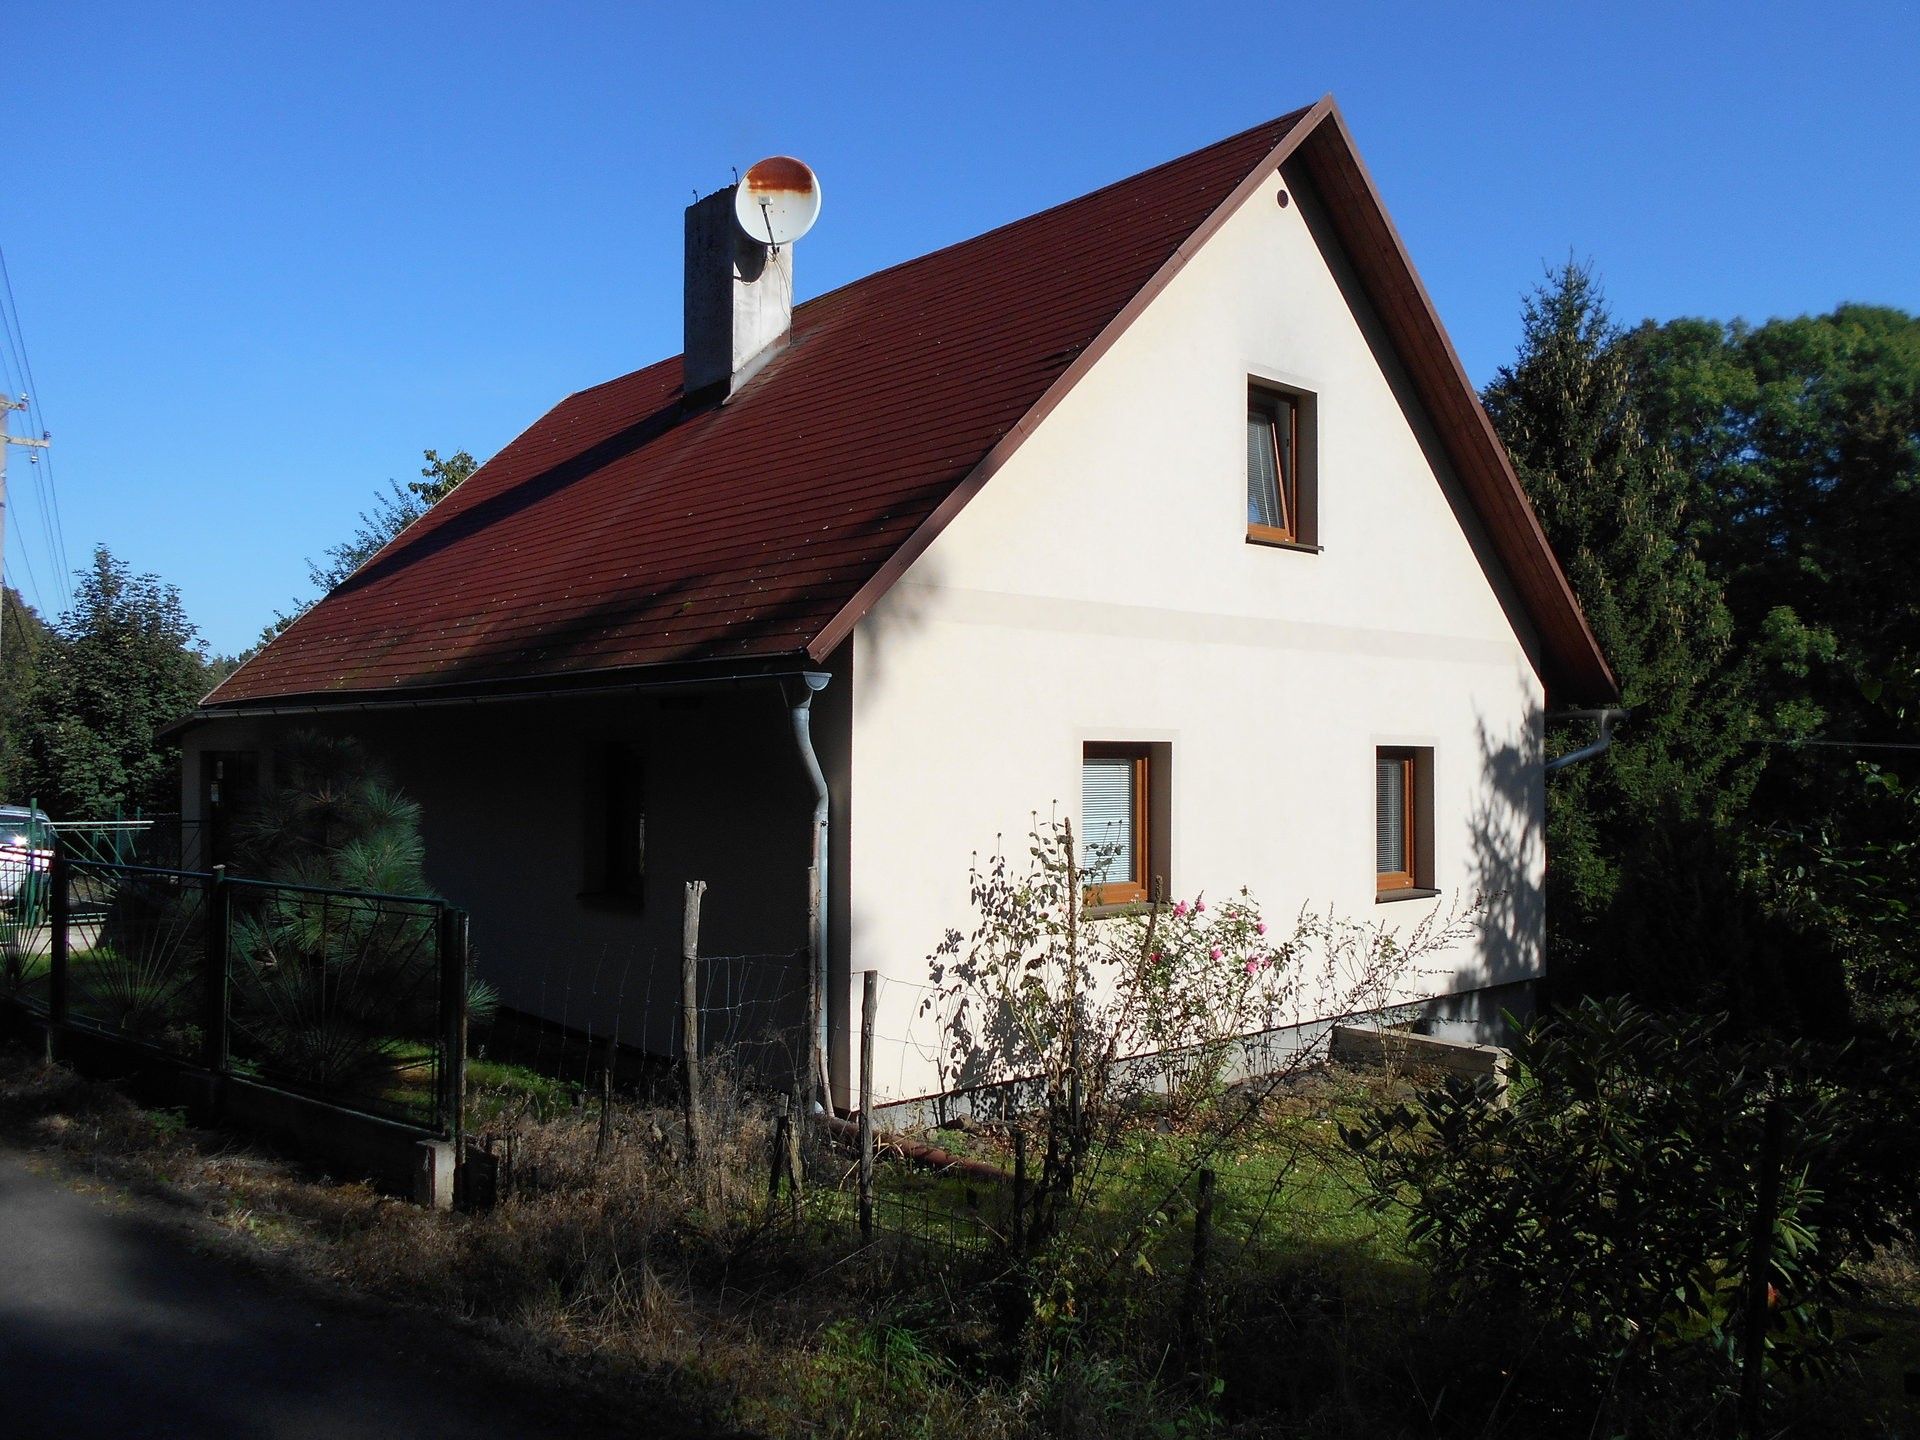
(777, 200)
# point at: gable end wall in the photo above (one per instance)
(1100, 587)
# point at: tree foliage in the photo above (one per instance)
(1648, 885)
(1601, 1216)
(1799, 442)
(118, 667)
(23, 638)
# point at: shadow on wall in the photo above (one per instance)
(1506, 828)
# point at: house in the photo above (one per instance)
(1171, 507)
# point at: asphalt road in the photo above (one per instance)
(112, 1325)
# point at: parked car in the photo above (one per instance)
(26, 855)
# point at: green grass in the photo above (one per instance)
(1286, 1185)
(496, 1088)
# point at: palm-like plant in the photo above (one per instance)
(337, 990)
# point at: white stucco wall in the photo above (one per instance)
(1100, 587)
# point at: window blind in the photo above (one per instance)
(1263, 476)
(1108, 846)
(1390, 816)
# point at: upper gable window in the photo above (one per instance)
(1279, 466)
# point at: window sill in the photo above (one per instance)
(1301, 546)
(1410, 892)
(1108, 912)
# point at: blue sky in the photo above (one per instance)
(264, 254)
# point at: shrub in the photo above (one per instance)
(1601, 1216)
(336, 990)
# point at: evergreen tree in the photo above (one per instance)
(122, 664)
(1645, 888)
(336, 989)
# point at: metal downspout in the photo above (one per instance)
(1607, 719)
(800, 703)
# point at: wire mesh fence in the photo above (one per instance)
(338, 993)
(623, 1008)
(135, 948)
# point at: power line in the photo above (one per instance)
(45, 486)
(1841, 744)
(33, 582)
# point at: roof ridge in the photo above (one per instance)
(1279, 125)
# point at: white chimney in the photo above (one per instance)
(739, 281)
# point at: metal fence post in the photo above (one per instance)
(1194, 1315)
(215, 1039)
(869, 1001)
(59, 910)
(453, 1025)
(1753, 1358)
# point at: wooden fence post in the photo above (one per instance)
(869, 999)
(1753, 1359)
(218, 972)
(1197, 1274)
(690, 1012)
(59, 909)
(604, 1140)
(796, 1178)
(778, 1162)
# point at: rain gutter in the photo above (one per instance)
(1608, 718)
(800, 703)
(696, 680)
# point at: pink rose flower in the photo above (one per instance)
(1252, 965)
(1261, 928)
(1215, 953)
(1179, 908)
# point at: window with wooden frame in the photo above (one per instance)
(1277, 437)
(616, 815)
(1403, 821)
(1117, 849)
(1394, 819)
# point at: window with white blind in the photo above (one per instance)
(1279, 466)
(1117, 848)
(1402, 824)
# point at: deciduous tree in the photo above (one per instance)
(122, 664)
(394, 509)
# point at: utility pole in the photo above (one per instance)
(7, 407)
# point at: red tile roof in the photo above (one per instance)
(625, 530)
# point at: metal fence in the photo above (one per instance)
(354, 998)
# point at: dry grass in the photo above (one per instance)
(624, 1272)
(681, 1293)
